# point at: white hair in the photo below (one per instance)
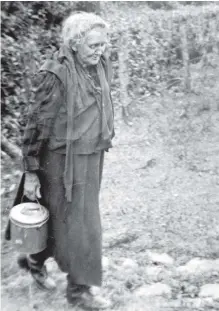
(78, 24)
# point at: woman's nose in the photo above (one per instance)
(100, 50)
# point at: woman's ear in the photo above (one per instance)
(73, 45)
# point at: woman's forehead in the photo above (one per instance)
(96, 35)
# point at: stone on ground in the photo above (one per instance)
(210, 290)
(156, 289)
(130, 264)
(199, 266)
(163, 259)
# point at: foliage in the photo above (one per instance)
(30, 32)
(155, 45)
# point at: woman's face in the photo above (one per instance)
(92, 47)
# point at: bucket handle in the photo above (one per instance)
(39, 207)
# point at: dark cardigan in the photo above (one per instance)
(47, 121)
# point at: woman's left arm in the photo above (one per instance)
(43, 109)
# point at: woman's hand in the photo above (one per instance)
(32, 186)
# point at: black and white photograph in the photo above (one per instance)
(109, 155)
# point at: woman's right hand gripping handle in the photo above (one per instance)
(32, 186)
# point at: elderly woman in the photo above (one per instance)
(70, 126)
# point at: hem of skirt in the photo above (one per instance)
(82, 150)
(79, 280)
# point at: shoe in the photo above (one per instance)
(83, 298)
(39, 274)
(22, 262)
(92, 302)
(42, 279)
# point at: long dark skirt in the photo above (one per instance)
(75, 237)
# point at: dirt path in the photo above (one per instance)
(159, 195)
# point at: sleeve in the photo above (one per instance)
(42, 111)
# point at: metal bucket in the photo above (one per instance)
(29, 227)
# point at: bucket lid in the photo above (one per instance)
(29, 213)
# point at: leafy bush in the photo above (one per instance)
(155, 45)
(30, 32)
